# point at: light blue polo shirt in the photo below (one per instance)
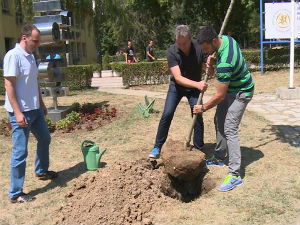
(20, 64)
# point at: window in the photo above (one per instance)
(19, 18)
(5, 5)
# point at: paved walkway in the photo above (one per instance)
(284, 114)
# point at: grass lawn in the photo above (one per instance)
(270, 166)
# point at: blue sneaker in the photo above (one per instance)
(213, 161)
(154, 153)
(230, 182)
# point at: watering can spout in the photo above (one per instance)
(99, 155)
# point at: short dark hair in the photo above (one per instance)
(206, 34)
(27, 30)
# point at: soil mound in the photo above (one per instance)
(182, 163)
(126, 193)
(122, 194)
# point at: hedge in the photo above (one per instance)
(143, 72)
(117, 58)
(79, 77)
(271, 56)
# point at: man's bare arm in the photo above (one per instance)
(10, 83)
(181, 80)
(218, 97)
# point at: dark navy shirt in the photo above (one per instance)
(190, 65)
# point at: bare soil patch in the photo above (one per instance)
(125, 193)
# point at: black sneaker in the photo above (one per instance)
(23, 198)
(49, 175)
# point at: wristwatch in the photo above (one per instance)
(202, 108)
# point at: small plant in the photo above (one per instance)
(88, 116)
(51, 126)
(69, 123)
(87, 108)
(75, 106)
(73, 117)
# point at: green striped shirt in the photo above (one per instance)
(232, 67)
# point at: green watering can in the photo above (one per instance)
(91, 154)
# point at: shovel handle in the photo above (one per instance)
(188, 137)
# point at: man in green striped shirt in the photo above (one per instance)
(234, 91)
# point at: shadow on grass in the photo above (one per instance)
(2, 102)
(287, 134)
(249, 155)
(64, 177)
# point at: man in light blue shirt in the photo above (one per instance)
(27, 111)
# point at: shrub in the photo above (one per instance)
(271, 56)
(159, 54)
(143, 73)
(117, 58)
(75, 106)
(96, 67)
(67, 124)
(78, 77)
(51, 126)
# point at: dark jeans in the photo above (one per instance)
(175, 94)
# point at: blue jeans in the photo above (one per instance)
(37, 125)
(175, 94)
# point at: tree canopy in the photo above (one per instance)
(116, 21)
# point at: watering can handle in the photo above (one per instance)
(87, 141)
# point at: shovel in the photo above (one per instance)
(188, 137)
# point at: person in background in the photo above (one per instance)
(129, 53)
(235, 89)
(150, 52)
(26, 110)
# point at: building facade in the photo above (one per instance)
(10, 25)
(82, 48)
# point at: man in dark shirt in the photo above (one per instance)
(129, 53)
(185, 59)
(150, 52)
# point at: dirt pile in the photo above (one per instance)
(186, 173)
(182, 163)
(122, 194)
(126, 193)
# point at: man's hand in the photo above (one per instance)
(21, 120)
(202, 85)
(198, 109)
